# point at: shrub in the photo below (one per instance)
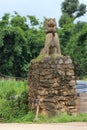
(13, 102)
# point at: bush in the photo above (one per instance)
(13, 102)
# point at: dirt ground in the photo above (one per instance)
(59, 126)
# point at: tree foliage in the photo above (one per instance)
(71, 9)
(77, 48)
(18, 44)
(73, 36)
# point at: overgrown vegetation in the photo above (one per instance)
(13, 99)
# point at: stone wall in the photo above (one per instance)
(52, 85)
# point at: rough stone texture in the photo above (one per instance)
(52, 82)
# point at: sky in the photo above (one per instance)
(38, 8)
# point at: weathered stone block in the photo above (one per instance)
(51, 81)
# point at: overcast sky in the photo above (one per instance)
(38, 8)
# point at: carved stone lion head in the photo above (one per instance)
(50, 25)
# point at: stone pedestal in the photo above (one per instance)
(52, 84)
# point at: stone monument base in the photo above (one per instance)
(52, 85)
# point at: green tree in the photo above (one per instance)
(35, 39)
(77, 48)
(33, 20)
(5, 20)
(11, 51)
(71, 9)
(20, 21)
(72, 35)
(19, 44)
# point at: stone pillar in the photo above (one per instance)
(52, 83)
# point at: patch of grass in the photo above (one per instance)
(27, 118)
(13, 99)
(10, 85)
(63, 118)
(69, 118)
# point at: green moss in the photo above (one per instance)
(55, 56)
(38, 59)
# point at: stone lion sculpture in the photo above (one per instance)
(52, 45)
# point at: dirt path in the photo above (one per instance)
(59, 126)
